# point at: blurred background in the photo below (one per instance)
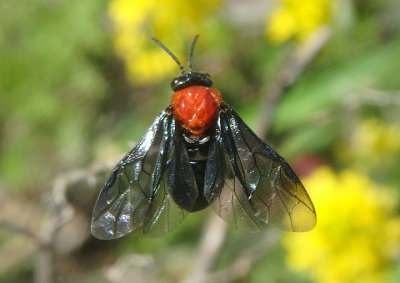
(80, 82)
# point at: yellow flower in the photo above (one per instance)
(298, 19)
(372, 142)
(169, 21)
(357, 236)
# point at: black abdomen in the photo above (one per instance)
(198, 153)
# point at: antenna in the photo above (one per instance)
(170, 54)
(190, 53)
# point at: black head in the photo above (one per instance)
(189, 78)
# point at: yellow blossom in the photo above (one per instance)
(169, 21)
(371, 142)
(357, 236)
(298, 19)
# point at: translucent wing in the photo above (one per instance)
(226, 189)
(264, 188)
(136, 193)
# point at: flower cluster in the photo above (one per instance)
(298, 19)
(357, 237)
(371, 143)
(169, 21)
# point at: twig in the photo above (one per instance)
(213, 237)
(20, 230)
(371, 97)
(60, 212)
(291, 68)
(243, 263)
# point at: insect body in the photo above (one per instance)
(198, 152)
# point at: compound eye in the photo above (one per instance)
(176, 83)
(207, 80)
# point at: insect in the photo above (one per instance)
(198, 153)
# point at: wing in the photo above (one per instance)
(182, 182)
(260, 186)
(224, 187)
(136, 194)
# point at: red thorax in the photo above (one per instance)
(196, 107)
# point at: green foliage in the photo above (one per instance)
(49, 86)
